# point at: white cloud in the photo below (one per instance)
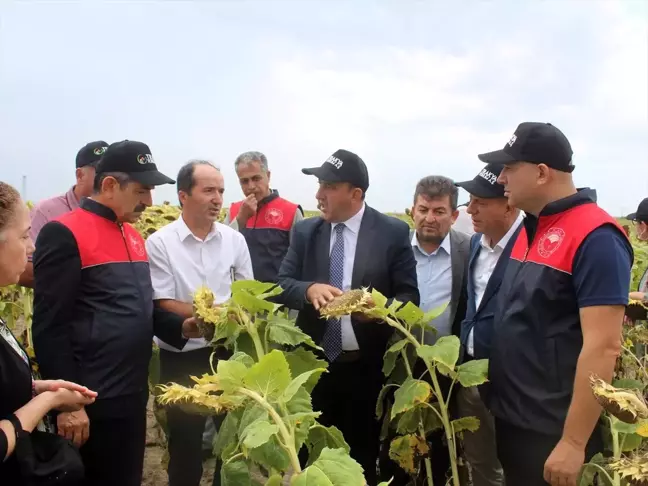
(415, 111)
(413, 88)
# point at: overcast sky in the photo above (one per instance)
(414, 88)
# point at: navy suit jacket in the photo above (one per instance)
(482, 319)
(384, 260)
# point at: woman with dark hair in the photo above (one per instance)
(22, 397)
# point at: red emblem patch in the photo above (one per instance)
(274, 216)
(550, 242)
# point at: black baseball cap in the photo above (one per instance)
(641, 214)
(342, 166)
(537, 143)
(135, 159)
(485, 183)
(90, 153)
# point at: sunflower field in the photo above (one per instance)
(257, 342)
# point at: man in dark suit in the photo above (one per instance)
(351, 245)
(496, 224)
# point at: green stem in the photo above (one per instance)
(616, 450)
(450, 438)
(601, 469)
(234, 457)
(288, 441)
(254, 334)
(421, 431)
(428, 471)
(266, 335)
(406, 361)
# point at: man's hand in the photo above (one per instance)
(42, 386)
(74, 426)
(320, 294)
(190, 328)
(564, 464)
(637, 295)
(247, 210)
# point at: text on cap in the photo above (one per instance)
(489, 176)
(337, 163)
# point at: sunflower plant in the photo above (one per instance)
(265, 390)
(419, 406)
(625, 419)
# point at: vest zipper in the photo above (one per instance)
(121, 229)
(130, 259)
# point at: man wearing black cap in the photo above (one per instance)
(48, 209)
(560, 312)
(349, 246)
(94, 317)
(496, 224)
(640, 220)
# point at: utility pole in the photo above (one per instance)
(24, 188)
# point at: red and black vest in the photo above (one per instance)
(537, 333)
(267, 234)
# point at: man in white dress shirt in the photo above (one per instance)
(495, 224)
(193, 251)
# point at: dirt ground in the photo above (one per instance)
(154, 469)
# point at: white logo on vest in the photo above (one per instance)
(137, 246)
(274, 216)
(550, 242)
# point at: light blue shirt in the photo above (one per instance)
(434, 273)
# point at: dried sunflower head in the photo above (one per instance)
(206, 313)
(357, 300)
(625, 404)
(633, 469)
(205, 397)
(204, 307)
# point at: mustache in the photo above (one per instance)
(139, 208)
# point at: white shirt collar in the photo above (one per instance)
(353, 223)
(501, 244)
(183, 230)
(445, 245)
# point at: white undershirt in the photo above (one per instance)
(350, 235)
(485, 266)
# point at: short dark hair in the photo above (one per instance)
(433, 187)
(122, 178)
(185, 180)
